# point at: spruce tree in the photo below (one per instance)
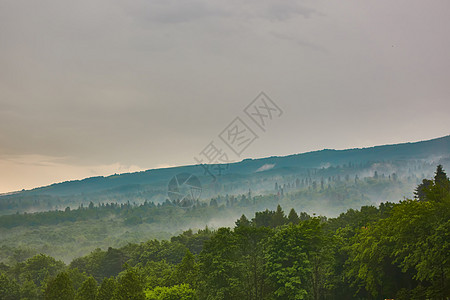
(293, 217)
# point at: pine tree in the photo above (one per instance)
(440, 177)
(420, 191)
(243, 221)
(278, 218)
(293, 217)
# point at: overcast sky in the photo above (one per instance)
(97, 87)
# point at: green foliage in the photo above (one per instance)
(187, 271)
(293, 217)
(220, 272)
(107, 289)
(88, 290)
(9, 289)
(38, 268)
(60, 288)
(157, 273)
(243, 221)
(287, 262)
(252, 242)
(29, 291)
(278, 218)
(441, 177)
(130, 286)
(264, 218)
(421, 190)
(91, 264)
(76, 277)
(112, 262)
(194, 242)
(176, 292)
(411, 245)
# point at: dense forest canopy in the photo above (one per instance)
(396, 250)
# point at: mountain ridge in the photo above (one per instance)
(440, 146)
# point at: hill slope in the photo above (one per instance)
(416, 159)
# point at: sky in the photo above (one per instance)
(92, 88)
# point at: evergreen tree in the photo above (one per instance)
(263, 218)
(440, 177)
(243, 221)
(278, 218)
(304, 216)
(293, 217)
(420, 191)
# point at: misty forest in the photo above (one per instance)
(369, 223)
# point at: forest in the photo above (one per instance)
(390, 251)
(72, 232)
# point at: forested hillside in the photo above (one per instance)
(68, 233)
(393, 250)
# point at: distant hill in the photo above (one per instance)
(406, 159)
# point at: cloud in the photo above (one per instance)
(298, 41)
(283, 10)
(171, 11)
(174, 12)
(265, 167)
